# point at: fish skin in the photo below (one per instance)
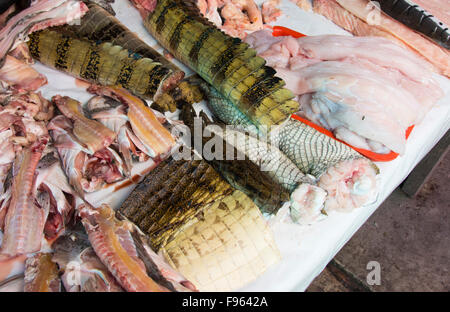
(225, 62)
(25, 220)
(113, 244)
(172, 194)
(41, 274)
(156, 139)
(103, 63)
(89, 132)
(82, 269)
(98, 25)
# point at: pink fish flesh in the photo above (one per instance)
(25, 219)
(20, 76)
(113, 243)
(40, 15)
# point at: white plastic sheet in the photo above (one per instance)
(305, 250)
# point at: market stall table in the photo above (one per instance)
(305, 250)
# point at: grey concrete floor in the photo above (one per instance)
(408, 237)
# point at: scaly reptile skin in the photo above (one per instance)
(103, 63)
(227, 248)
(98, 25)
(174, 192)
(227, 63)
(235, 165)
(313, 152)
(269, 158)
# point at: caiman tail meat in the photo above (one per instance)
(225, 62)
(99, 63)
(233, 227)
(172, 194)
(40, 15)
(41, 274)
(98, 25)
(257, 168)
(347, 176)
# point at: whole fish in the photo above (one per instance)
(100, 63)
(98, 25)
(225, 248)
(225, 62)
(316, 154)
(41, 274)
(171, 194)
(113, 242)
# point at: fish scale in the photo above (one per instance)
(103, 63)
(173, 193)
(230, 65)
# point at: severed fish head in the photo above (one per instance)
(82, 269)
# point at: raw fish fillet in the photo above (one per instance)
(362, 19)
(367, 90)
